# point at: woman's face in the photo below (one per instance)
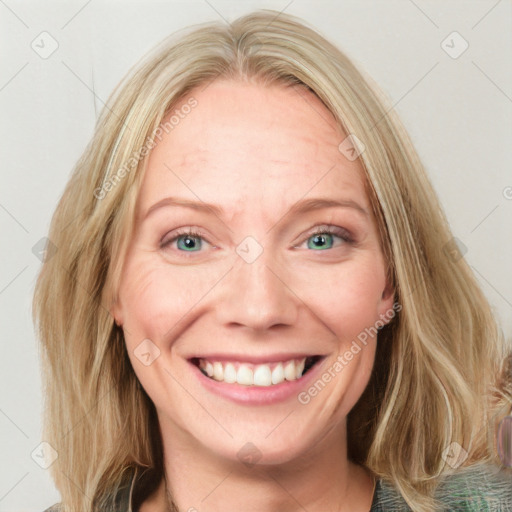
(253, 172)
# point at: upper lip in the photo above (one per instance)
(259, 359)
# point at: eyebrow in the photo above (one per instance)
(301, 206)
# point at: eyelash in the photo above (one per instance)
(181, 232)
(320, 230)
(332, 230)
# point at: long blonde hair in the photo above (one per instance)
(440, 372)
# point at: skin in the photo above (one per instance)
(254, 151)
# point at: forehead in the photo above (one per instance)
(251, 146)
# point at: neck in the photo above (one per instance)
(200, 480)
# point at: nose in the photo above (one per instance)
(257, 296)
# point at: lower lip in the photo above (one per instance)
(258, 395)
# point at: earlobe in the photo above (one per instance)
(115, 312)
(388, 292)
(387, 307)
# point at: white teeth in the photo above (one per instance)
(253, 375)
(299, 368)
(278, 374)
(262, 375)
(229, 373)
(244, 375)
(289, 371)
(218, 371)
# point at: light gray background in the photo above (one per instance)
(458, 112)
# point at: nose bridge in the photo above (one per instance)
(256, 293)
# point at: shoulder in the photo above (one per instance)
(118, 501)
(481, 487)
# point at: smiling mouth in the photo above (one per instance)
(247, 374)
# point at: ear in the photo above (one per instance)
(387, 309)
(116, 313)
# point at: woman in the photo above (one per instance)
(255, 303)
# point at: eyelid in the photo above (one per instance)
(191, 231)
(332, 229)
(196, 232)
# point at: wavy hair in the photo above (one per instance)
(440, 372)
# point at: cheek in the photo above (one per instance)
(346, 302)
(345, 298)
(155, 300)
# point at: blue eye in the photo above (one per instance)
(186, 241)
(189, 243)
(320, 241)
(323, 238)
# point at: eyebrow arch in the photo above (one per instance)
(317, 203)
(302, 206)
(176, 201)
